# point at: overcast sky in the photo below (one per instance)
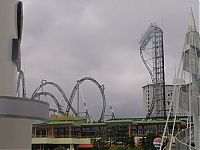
(65, 40)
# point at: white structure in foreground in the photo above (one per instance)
(187, 97)
(16, 114)
(191, 66)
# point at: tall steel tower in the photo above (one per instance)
(152, 55)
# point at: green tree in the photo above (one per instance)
(147, 143)
(118, 148)
(135, 148)
(130, 141)
(117, 136)
(100, 143)
(60, 148)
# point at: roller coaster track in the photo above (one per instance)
(101, 89)
(60, 110)
(86, 109)
(60, 90)
(72, 95)
(154, 35)
(21, 78)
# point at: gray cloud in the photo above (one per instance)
(66, 40)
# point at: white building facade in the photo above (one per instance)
(148, 97)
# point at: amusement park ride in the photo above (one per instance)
(185, 94)
(39, 91)
(152, 55)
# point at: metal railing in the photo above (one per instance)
(182, 140)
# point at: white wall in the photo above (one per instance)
(15, 134)
(8, 70)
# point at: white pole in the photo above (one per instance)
(171, 102)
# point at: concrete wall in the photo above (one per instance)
(15, 134)
(8, 31)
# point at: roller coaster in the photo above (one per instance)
(39, 91)
(152, 55)
(76, 88)
(59, 89)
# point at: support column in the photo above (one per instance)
(70, 131)
(71, 147)
(52, 131)
(129, 130)
(178, 127)
(46, 130)
(196, 131)
(35, 131)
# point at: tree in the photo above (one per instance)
(119, 136)
(118, 148)
(124, 148)
(130, 141)
(147, 143)
(100, 143)
(60, 148)
(116, 136)
(135, 148)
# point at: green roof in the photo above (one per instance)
(67, 123)
(94, 124)
(61, 122)
(115, 122)
(158, 122)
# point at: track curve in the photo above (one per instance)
(101, 89)
(60, 90)
(60, 110)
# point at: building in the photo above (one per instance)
(75, 133)
(148, 97)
